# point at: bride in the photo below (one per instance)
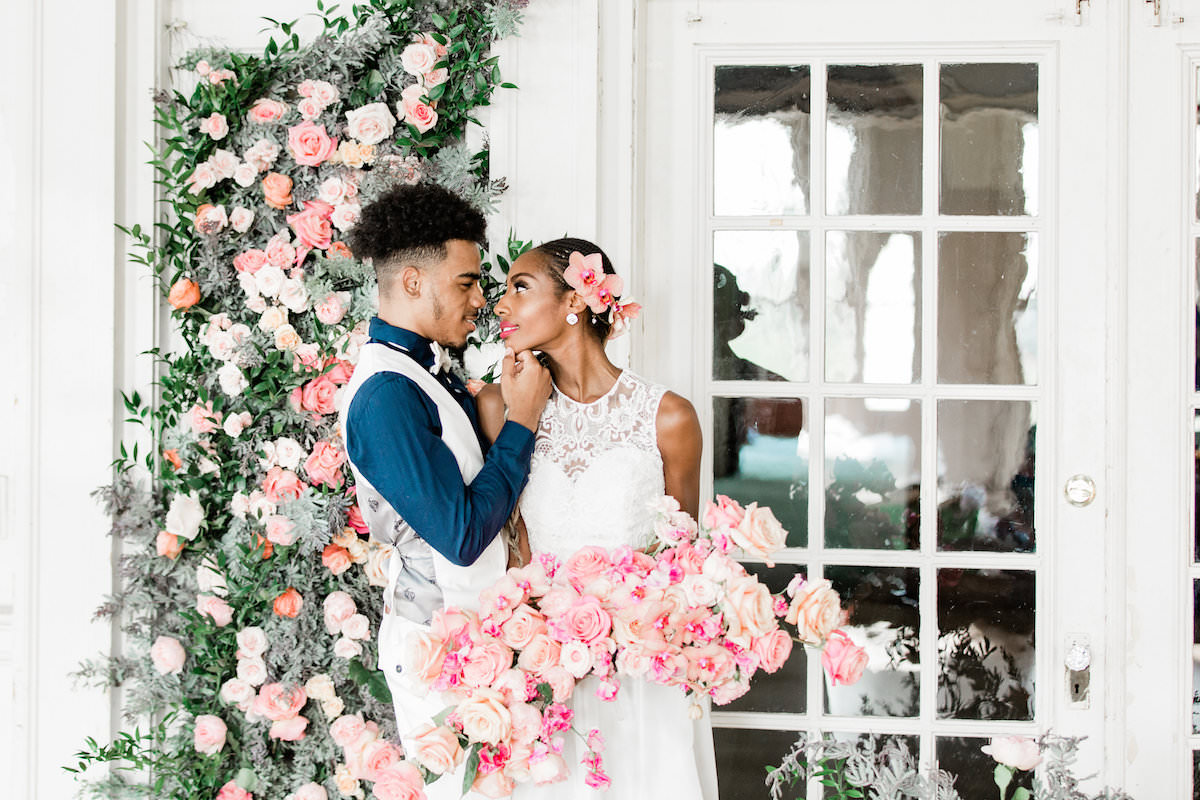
(609, 444)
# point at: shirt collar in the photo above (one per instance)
(416, 345)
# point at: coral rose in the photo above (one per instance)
(318, 395)
(281, 485)
(277, 190)
(167, 655)
(231, 791)
(167, 544)
(209, 734)
(309, 144)
(336, 559)
(184, 294)
(288, 604)
(324, 465)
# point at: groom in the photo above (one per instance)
(428, 484)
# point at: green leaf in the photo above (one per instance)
(472, 768)
(1021, 793)
(1003, 777)
(439, 21)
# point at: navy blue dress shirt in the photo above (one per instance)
(394, 439)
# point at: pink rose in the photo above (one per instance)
(203, 177)
(494, 784)
(484, 717)
(586, 564)
(340, 372)
(289, 730)
(209, 734)
(539, 655)
(324, 465)
(251, 641)
(562, 683)
(708, 664)
(815, 610)
(759, 533)
(486, 662)
(310, 791)
(526, 722)
(280, 252)
(279, 529)
(281, 485)
(322, 92)
(318, 395)
(215, 126)
(724, 513)
(417, 59)
(332, 309)
(843, 660)
(436, 748)
(202, 419)
(1018, 752)
(309, 144)
(551, 768)
(370, 124)
(772, 650)
(520, 628)
(435, 77)
(309, 109)
(312, 225)
(587, 621)
(377, 756)
(209, 605)
(250, 261)
(167, 655)
(265, 111)
(418, 114)
(339, 607)
(424, 655)
(401, 781)
(277, 701)
(346, 730)
(231, 791)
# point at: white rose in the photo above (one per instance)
(481, 359)
(221, 346)
(286, 338)
(207, 466)
(252, 642)
(239, 505)
(252, 670)
(260, 506)
(236, 423)
(257, 303)
(239, 332)
(248, 283)
(346, 647)
(700, 590)
(320, 687)
(224, 163)
(185, 515)
(357, 627)
(417, 59)
(245, 175)
(209, 579)
(294, 295)
(233, 383)
(287, 452)
(345, 216)
(269, 280)
(372, 123)
(241, 218)
(272, 318)
(236, 690)
(576, 657)
(333, 707)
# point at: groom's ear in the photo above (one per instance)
(409, 281)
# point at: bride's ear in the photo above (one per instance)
(576, 305)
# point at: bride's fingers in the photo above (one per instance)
(508, 364)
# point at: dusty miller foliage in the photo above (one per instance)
(357, 51)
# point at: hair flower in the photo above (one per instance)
(622, 315)
(585, 274)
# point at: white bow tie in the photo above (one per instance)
(441, 358)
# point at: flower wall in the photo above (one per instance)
(248, 597)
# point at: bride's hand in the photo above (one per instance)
(525, 386)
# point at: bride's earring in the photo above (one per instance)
(572, 318)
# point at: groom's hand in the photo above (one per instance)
(525, 386)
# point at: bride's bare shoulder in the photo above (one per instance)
(490, 404)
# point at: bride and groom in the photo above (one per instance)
(580, 447)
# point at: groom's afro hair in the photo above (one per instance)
(414, 223)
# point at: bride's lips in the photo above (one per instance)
(507, 329)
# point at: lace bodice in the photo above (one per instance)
(596, 469)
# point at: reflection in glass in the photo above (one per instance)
(1195, 656)
(873, 307)
(985, 643)
(1195, 775)
(987, 307)
(881, 606)
(989, 139)
(760, 305)
(973, 769)
(743, 755)
(760, 454)
(873, 139)
(761, 140)
(986, 467)
(785, 690)
(872, 473)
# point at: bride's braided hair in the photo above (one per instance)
(557, 254)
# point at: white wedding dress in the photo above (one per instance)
(596, 471)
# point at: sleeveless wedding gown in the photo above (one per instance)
(596, 469)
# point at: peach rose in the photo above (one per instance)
(520, 628)
(723, 513)
(345, 730)
(843, 660)
(286, 338)
(753, 612)
(208, 736)
(759, 533)
(250, 261)
(772, 650)
(356, 155)
(312, 225)
(318, 395)
(486, 662)
(324, 465)
(347, 784)
(281, 485)
(215, 126)
(167, 655)
(484, 717)
(435, 748)
(401, 781)
(539, 655)
(184, 294)
(210, 219)
(167, 544)
(265, 111)
(289, 730)
(309, 144)
(562, 683)
(277, 190)
(332, 309)
(370, 124)
(210, 605)
(815, 610)
(424, 655)
(288, 604)
(336, 559)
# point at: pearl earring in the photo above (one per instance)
(572, 318)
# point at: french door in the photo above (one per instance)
(881, 233)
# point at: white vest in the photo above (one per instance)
(420, 579)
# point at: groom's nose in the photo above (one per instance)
(477, 299)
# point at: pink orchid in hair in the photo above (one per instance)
(622, 315)
(585, 274)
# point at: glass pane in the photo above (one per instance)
(873, 473)
(1196, 179)
(1195, 656)
(784, 690)
(985, 643)
(760, 454)
(986, 467)
(881, 606)
(989, 139)
(973, 769)
(873, 307)
(1195, 775)
(1196, 289)
(987, 307)
(873, 139)
(743, 754)
(760, 140)
(760, 305)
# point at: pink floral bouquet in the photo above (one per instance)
(681, 613)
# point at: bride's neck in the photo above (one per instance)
(581, 370)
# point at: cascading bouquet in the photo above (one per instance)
(681, 613)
